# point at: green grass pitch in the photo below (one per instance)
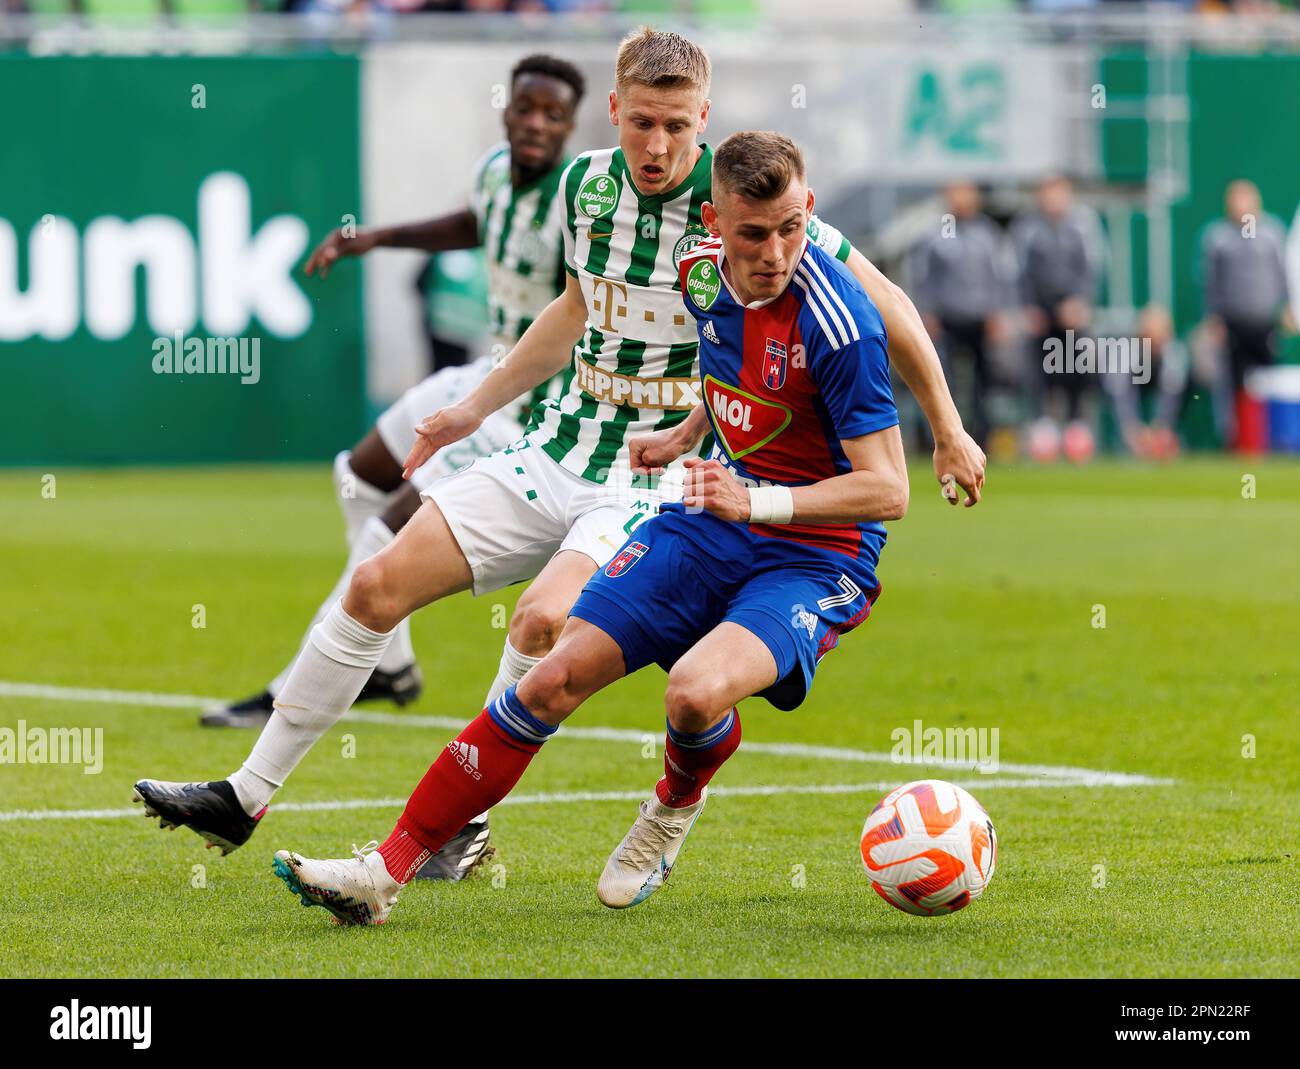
(987, 620)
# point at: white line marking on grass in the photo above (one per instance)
(562, 798)
(103, 697)
(1051, 775)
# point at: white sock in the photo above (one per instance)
(513, 667)
(373, 536)
(328, 675)
(358, 500)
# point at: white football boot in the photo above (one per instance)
(644, 860)
(356, 890)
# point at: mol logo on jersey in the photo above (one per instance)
(742, 421)
(630, 554)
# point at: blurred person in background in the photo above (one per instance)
(963, 281)
(1147, 412)
(453, 286)
(1244, 293)
(1058, 251)
(515, 214)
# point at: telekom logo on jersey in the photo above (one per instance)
(242, 273)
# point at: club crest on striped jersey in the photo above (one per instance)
(775, 359)
(628, 556)
(743, 422)
(695, 233)
(598, 196)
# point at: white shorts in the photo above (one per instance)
(397, 423)
(513, 511)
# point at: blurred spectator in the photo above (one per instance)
(1243, 278)
(1058, 247)
(1147, 412)
(138, 9)
(963, 280)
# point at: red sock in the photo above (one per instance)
(691, 760)
(476, 770)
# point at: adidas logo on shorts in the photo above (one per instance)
(466, 756)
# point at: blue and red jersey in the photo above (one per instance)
(785, 380)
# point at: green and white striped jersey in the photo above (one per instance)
(522, 231)
(635, 370)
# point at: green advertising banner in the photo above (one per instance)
(155, 214)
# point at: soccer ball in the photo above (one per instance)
(929, 848)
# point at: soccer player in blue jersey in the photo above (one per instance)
(741, 588)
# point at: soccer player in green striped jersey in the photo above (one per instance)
(514, 213)
(557, 504)
(635, 363)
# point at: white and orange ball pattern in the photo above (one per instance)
(929, 848)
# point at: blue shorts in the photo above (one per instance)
(680, 575)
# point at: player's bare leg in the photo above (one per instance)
(476, 770)
(372, 462)
(728, 664)
(424, 563)
(539, 617)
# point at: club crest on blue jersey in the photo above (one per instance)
(774, 364)
(630, 554)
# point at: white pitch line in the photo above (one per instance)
(102, 697)
(1052, 774)
(562, 798)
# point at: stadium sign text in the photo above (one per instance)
(230, 274)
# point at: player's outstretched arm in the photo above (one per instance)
(876, 488)
(911, 351)
(545, 349)
(650, 454)
(459, 230)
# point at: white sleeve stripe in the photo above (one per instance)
(831, 298)
(827, 307)
(697, 253)
(816, 310)
(822, 309)
(816, 270)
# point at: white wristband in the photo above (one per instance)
(771, 504)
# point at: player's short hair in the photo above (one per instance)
(661, 60)
(552, 67)
(757, 164)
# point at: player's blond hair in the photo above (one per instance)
(757, 164)
(661, 60)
